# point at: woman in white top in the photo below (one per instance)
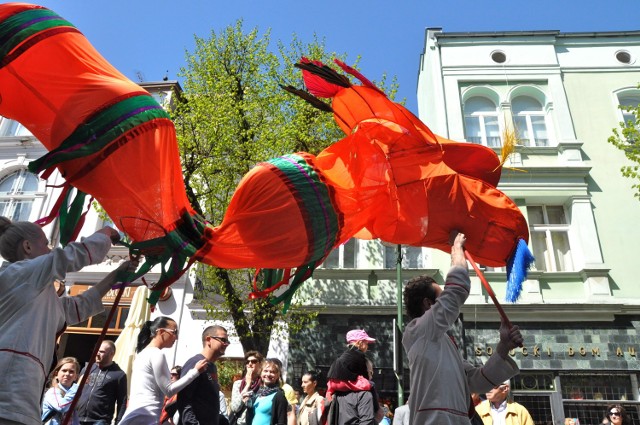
(151, 380)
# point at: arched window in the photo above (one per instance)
(529, 119)
(629, 100)
(481, 122)
(10, 128)
(17, 193)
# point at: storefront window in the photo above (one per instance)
(586, 396)
(538, 405)
(96, 323)
(550, 397)
(533, 382)
(592, 413)
(607, 387)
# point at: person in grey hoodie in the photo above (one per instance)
(441, 380)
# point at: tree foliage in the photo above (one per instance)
(627, 139)
(233, 115)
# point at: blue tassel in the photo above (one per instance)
(517, 268)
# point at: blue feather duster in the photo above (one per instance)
(517, 268)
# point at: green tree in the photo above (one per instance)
(627, 139)
(235, 114)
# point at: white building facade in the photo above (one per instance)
(560, 93)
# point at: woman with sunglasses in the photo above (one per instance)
(268, 406)
(244, 388)
(617, 415)
(151, 379)
(170, 406)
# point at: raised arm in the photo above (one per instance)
(109, 280)
(162, 375)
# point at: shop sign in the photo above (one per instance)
(110, 296)
(538, 351)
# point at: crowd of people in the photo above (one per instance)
(32, 315)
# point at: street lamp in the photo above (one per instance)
(399, 367)
(398, 325)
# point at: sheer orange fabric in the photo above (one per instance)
(390, 178)
(414, 187)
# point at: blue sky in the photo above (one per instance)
(150, 37)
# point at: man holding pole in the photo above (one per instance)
(441, 380)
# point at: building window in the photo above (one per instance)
(10, 128)
(627, 101)
(481, 122)
(498, 56)
(550, 238)
(343, 257)
(529, 120)
(623, 56)
(538, 406)
(160, 97)
(412, 257)
(17, 193)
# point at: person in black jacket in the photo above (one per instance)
(352, 372)
(269, 404)
(105, 387)
(199, 402)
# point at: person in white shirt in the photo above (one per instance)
(151, 380)
(401, 415)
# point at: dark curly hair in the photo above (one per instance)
(417, 289)
(623, 413)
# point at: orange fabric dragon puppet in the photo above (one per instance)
(390, 178)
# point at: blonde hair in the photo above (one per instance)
(12, 233)
(276, 366)
(63, 361)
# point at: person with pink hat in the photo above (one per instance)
(359, 339)
(356, 398)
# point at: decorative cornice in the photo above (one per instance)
(363, 274)
(20, 144)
